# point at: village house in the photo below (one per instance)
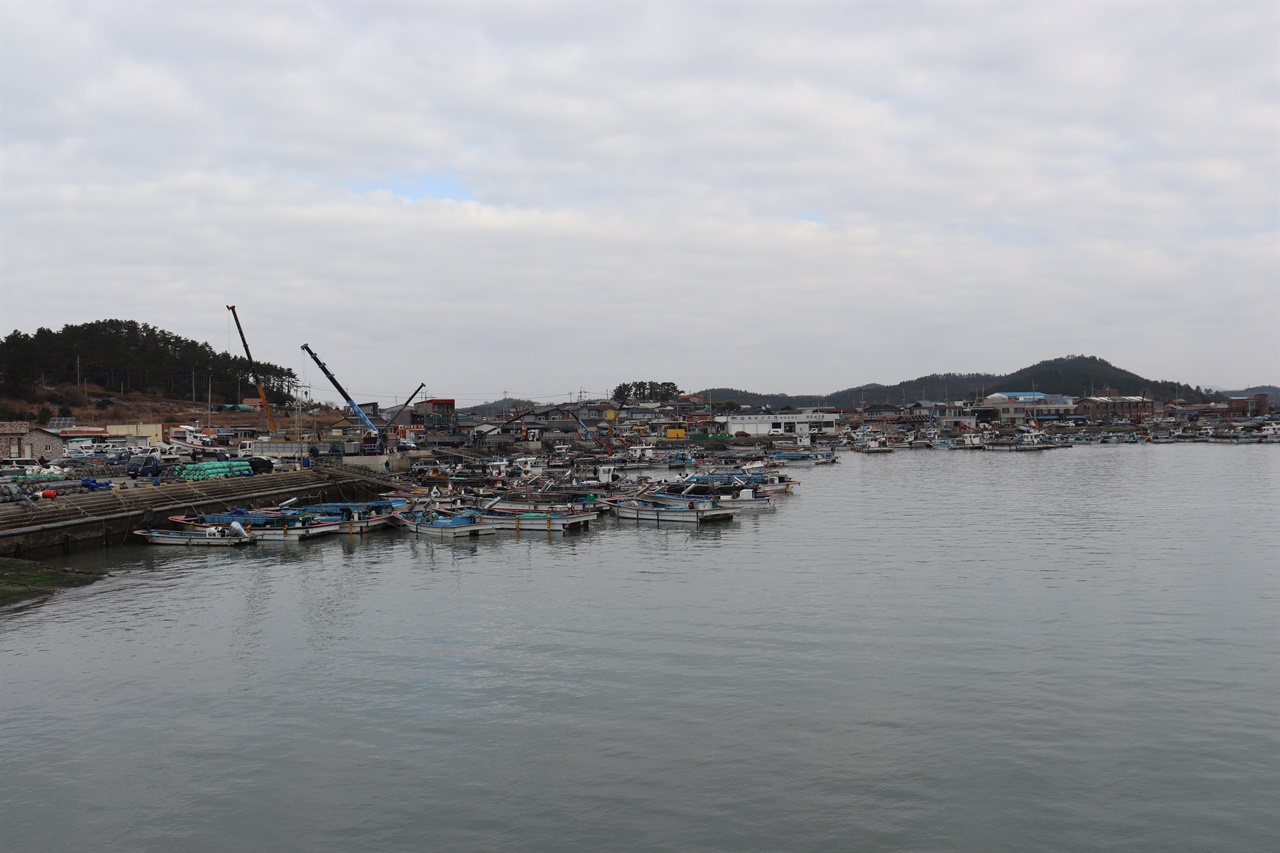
(11, 435)
(955, 415)
(1110, 405)
(881, 412)
(1248, 407)
(43, 443)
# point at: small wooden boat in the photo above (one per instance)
(740, 500)
(693, 512)
(266, 525)
(534, 522)
(426, 523)
(290, 532)
(209, 537)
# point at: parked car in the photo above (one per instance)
(146, 466)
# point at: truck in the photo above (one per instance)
(287, 449)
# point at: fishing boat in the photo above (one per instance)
(741, 500)
(792, 456)
(1026, 442)
(873, 445)
(764, 482)
(355, 518)
(208, 537)
(427, 523)
(533, 522)
(290, 531)
(261, 525)
(693, 511)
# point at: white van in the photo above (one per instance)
(17, 466)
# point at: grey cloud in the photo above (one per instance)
(1080, 177)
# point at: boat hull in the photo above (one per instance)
(292, 534)
(198, 539)
(539, 522)
(672, 514)
(444, 528)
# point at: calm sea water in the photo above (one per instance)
(1066, 651)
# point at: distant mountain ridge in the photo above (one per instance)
(1072, 375)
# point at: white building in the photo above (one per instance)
(799, 421)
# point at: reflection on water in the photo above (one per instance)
(929, 650)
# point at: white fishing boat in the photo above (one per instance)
(692, 512)
(209, 537)
(535, 522)
(357, 526)
(742, 500)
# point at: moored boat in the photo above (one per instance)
(209, 537)
(693, 512)
(427, 523)
(288, 532)
(533, 522)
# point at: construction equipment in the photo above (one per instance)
(257, 380)
(408, 405)
(373, 431)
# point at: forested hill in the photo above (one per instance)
(771, 401)
(127, 356)
(1073, 375)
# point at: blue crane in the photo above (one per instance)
(360, 413)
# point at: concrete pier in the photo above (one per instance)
(104, 519)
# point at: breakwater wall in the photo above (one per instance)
(105, 519)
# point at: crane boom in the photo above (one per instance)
(257, 380)
(360, 413)
(408, 401)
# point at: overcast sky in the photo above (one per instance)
(543, 198)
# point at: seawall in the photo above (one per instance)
(104, 519)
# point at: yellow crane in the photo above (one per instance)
(257, 380)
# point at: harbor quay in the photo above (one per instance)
(33, 529)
